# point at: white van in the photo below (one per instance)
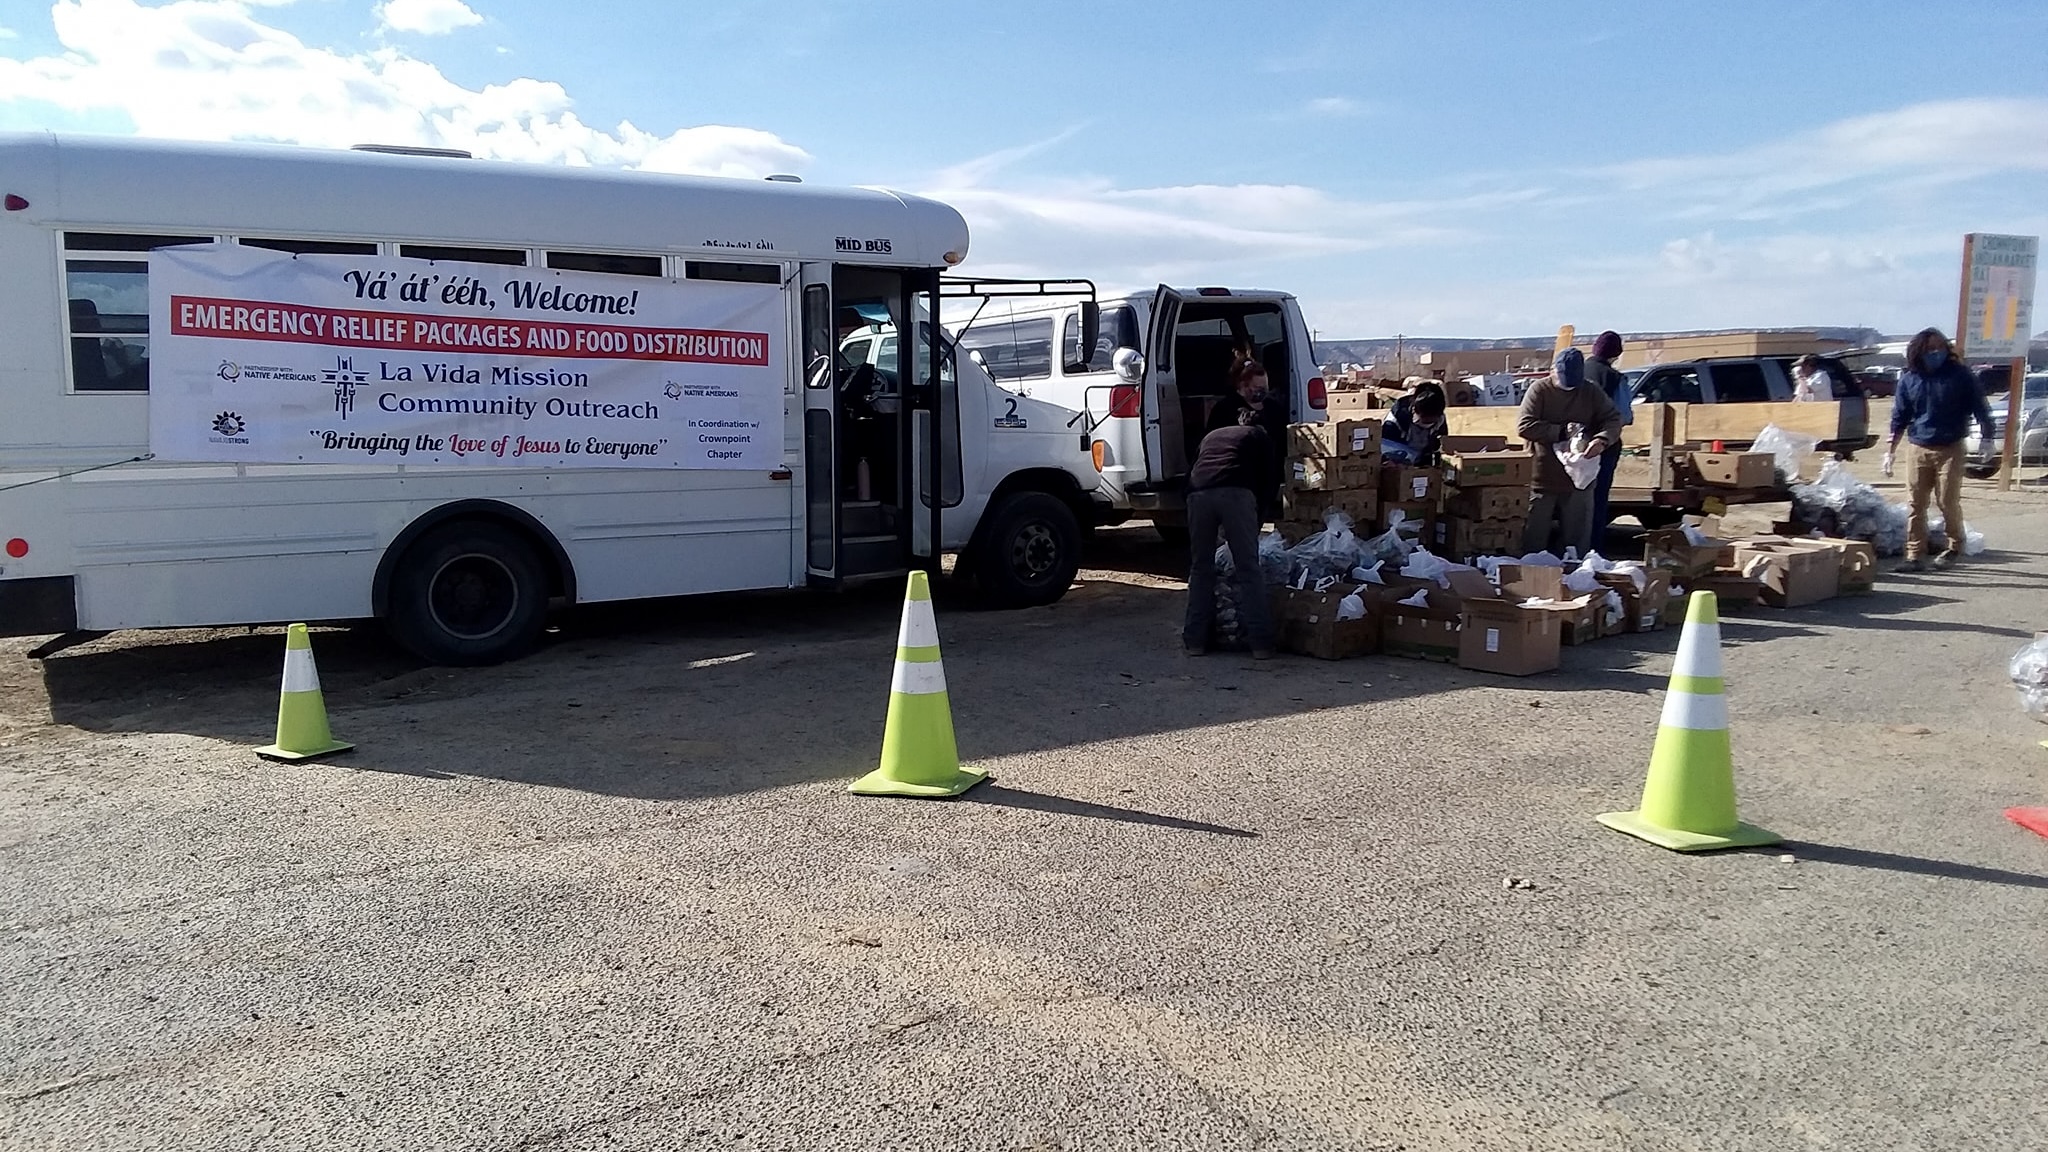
(1144, 390)
(464, 562)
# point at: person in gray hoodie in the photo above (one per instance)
(1563, 410)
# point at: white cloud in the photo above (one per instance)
(426, 17)
(7, 33)
(211, 70)
(1334, 107)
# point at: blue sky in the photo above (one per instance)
(1451, 169)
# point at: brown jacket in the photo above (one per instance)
(1547, 408)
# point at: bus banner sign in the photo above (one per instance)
(262, 358)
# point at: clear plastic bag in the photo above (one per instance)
(1788, 450)
(1333, 552)
(1425, 565)
(1397, 541)
(1351, 607)
(2029, 671)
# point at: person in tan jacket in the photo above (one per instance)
(1563, 409)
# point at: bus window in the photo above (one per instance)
(740, 273)
(106, 313)
(510, 256)
(311, 247)
(613, 263)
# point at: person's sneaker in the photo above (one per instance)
(1945, 559)
(1913, 564)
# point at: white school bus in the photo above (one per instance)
(107, 525)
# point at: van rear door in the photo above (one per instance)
(1166, 452)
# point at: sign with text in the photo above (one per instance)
(1998, 296)
(257, 357)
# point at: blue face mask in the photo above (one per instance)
(1935, 359)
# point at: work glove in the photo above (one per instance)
(1886, 465)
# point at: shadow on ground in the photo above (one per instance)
(721, 694)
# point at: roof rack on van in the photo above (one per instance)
(415, 150)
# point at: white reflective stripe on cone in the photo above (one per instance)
(299, 673)
(1706, 712)
(919, 677)
(1699, 651)
(920, 628)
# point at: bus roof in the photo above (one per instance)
(127, 183)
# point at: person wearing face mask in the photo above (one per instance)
(1413, 433)
(1602, 374)
(1936, 399)
(1252, 392)
(1560, 410)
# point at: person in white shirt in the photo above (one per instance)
(1810, 381)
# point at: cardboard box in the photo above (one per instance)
(1642, 608)
(1308, 623)
(1790, 576)
(1360, 404)
(1736, 469)
(1423, 513)
(1520, 582)
(1430, 631)
(1406, 483)
(1458, 538)
(1451, 444)
(1310, 507)
(1670, 549)
(1497, 636)
(1633, 471)
(1360, 472)
(1334, 438)
(1504, 502)
(1490, 469)
(1731, 588)
(1578, 620)
(1857, 559)
(1312, 474)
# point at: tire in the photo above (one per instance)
(1030, 553)
(1981, 471)
(1173, 534)
(467, 594)
(1654, 518)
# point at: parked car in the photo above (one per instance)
(1983, 458)
(1757, 379)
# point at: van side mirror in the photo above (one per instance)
(1091, 329)
(1129, 364)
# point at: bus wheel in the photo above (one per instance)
(469, 593)
(1031, 551)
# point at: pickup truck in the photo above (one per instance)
(1841, 426)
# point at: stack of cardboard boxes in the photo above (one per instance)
(1332, 466)
(1488, 505)
(1777, 571)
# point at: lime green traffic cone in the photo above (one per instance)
(919, 757)
(302, 732)
(1689, 798)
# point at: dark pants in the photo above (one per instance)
(1234, 511)
(1609, 461)
(1560, 520)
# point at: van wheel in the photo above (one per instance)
(467, 594)
(1030, 553)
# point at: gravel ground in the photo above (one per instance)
(616, 895)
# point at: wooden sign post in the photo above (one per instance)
(1995, 319)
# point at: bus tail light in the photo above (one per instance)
(1099, 450)
(16, 203)
(1318, 395)
(1126, 401)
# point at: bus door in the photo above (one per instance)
(856, 421)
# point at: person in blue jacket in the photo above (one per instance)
(1602, 374)
(1936, 400)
